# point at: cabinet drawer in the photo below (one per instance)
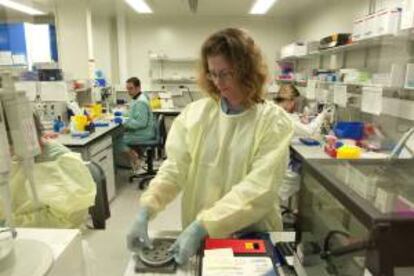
(99, 146)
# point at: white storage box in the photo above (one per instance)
(407, 15)
(388, 4)
(369, 24)
(358, 29)
(294, 49)
(395, 78)
(388, 22)
(407, 19)
(312, 47)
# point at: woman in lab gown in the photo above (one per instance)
(227, 153)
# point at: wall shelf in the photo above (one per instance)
(386, 40)
(173, 71)
(178, 60)
(355, 84)
(174, 81)
(304, 83)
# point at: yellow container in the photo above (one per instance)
(155, 103)
(348, 152)
(96, 111)
(80, 122)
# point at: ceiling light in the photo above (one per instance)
(139, 6)
(261, 6)
(20, 7)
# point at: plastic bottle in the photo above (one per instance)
(58, 125)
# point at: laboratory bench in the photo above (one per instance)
(316, 155)
(175, 111)
(192, 268)
(73, 142)
(50, 252)
(308, 152)
(356, 217)
(303, 152)
(169, 115)
(167, 111)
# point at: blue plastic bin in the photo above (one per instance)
(349, 130)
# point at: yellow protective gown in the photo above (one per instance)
(229, 167)
(64, 185)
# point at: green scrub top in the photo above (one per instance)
(140, 123)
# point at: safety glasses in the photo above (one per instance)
(223, 75)
(282, 99)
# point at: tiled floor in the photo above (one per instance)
(108, 252)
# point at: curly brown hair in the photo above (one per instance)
(240, 50)
(288, 91)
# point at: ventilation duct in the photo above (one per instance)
(193, 5)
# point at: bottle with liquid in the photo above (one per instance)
(58, 125)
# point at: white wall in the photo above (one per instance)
(72, 38)
(335, 17)
(73, 41)
(104, 43)
(179, 38)
(114, 54)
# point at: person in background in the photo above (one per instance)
(286, 98)
(227, 153)
(50, 149)
(139, 125)
(63, 183)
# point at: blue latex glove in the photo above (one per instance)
(138, 233)
(118, 120)
(188, 242)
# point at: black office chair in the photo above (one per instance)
(150, 148)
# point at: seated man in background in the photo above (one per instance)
(139, 125)
(62, 181)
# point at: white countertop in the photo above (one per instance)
(56, 239)
(190, 268)
(187, 270)
(65, 246)
(68, 140)
(317, 152)
(309, 152)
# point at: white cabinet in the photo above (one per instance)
(102, 153)
(97, 147)
(294, 49)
